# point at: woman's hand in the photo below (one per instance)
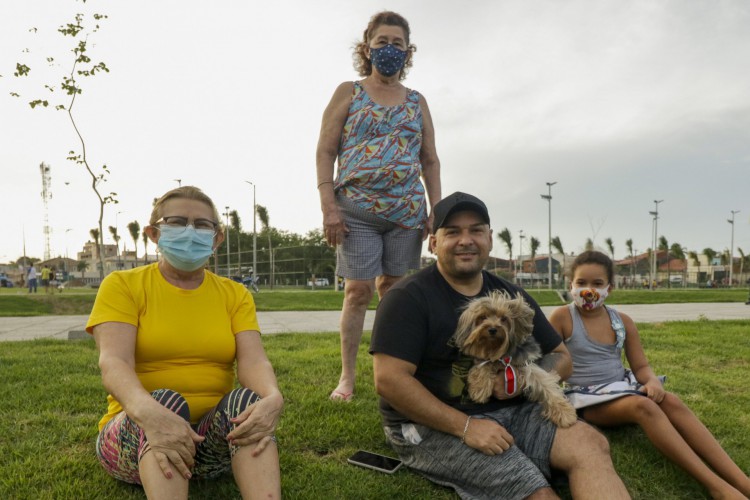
(172, 441)
(654, 390)
(334, 228)
(257, 423)
(427, 230)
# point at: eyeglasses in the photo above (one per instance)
(178, 221)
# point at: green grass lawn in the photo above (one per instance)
(52, 398)
(17, 302)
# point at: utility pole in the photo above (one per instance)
(731, 250)
(654, 241)
(548, 197)
(229, 269)
(255, 238)
(44, 169)
(520, 254)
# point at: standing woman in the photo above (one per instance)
(375, 211)
(170, 335)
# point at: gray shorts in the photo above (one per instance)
(375, 246)
(516, 473)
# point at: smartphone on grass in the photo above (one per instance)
(375, 461)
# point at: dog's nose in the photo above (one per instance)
(492, 331)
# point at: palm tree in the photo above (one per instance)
(589, 245)
(116, 237)
(95, 235)
(82, 266)
(611, 246)
(664, 247)
(694, 257)
(134, 229)
(678, 253)
(629, 246)
(265, 222)
(725, 261)
(507, 240)
(234, 220)
(534, 244)
(557, 244)
(710, 254)
(145, 247)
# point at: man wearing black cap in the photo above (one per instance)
(499, 449)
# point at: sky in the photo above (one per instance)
(619, 103)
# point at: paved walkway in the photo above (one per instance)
(64, 327)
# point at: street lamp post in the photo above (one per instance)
(255, 237)
(548, 197)
(229, 267)
(117, 242)
(520, 254)
(178, 181)
(731, 250)
(65, 267)
(654, 240)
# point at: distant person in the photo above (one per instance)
(500, 449)
(596, 336)
(31, 278)
(46, 272)
(375, 211)
(169, 336)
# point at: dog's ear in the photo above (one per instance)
(521, 313)
(465, 324)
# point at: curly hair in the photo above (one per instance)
(362, 64)
(594, 257)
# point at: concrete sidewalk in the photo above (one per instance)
(58, 327)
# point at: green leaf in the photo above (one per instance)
(22, 70)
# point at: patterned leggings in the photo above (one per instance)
(121, 443)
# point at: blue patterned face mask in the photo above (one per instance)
(185, 248)
(388, 59)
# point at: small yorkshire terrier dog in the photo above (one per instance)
(496, 331)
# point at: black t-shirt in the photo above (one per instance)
(415, 322)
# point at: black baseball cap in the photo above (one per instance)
(454, 203)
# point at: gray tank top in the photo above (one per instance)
(593, 362)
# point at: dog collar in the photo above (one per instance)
(510, 373)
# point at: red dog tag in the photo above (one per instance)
(510, 376)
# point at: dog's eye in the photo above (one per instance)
(481, 319)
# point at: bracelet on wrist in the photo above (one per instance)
(466, 428)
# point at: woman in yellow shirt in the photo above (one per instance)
(169, 336)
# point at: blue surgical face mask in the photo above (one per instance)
(388, 59)
(185, 248)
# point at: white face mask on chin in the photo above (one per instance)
(589, 298)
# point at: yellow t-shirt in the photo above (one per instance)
(46, 273)
(185, 338)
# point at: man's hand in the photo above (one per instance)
(487, 436)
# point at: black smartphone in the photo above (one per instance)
(374, 461)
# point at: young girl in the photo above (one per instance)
(595, 336)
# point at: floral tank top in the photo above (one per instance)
(379, 168)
